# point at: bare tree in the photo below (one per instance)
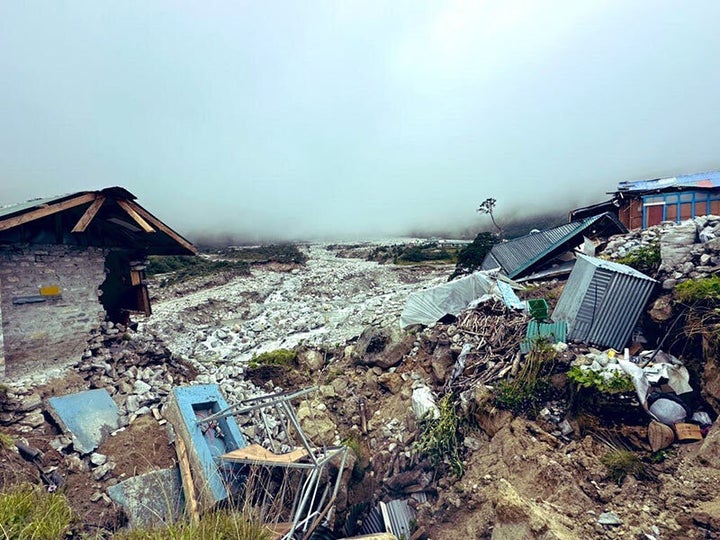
(487, 207)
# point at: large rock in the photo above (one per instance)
(662, 309)
(676, 244)
(711, 382)
(382, 347)
(441, 362)
(316, 423)
(709, 453)
(311, 359)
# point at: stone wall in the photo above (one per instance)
(43, 330)
(2, 346)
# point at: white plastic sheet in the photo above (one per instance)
(431, 305)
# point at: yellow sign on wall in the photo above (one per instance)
(50, 290)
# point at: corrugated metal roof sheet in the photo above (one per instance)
(19, 208)
(399, 517)
(709, 179)
(517, 255)
(602, 302)
(556, 331)
(614, 267)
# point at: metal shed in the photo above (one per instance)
(602, 302)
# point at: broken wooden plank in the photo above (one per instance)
(257, 454)
(89, 214)
(191, 503)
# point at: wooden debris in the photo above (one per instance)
(497, 332)
(660, 436)
(688, 432)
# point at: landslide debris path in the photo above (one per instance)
(328, 300)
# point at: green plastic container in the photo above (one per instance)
(538, 309)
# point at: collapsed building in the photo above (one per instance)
(66, 264)
(551, 251)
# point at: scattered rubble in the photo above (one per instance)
(505, 476)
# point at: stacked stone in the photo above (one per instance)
(688, 250)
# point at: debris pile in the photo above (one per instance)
(493, 333)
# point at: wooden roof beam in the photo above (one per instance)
(89, 214)
(161, 226)
(45, 211)
(131, 210)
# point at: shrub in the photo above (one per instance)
(279, 357)
(645, 259)
(30, 512)
(531, 387)
(439, 437)
(282, 253)
(425, 252)
(186, 267)
(471, 256)
(699, 289)
(6, 441)
(586, 378)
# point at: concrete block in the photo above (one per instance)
(87, 416)
(155, 498)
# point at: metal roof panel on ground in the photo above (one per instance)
(521, 254)
(557, 331)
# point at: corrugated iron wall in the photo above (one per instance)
(604, 309)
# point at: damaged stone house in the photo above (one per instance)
(645, 203)
(66, 264)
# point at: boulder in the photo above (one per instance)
(382, 347)
(711, 382)
(662, 309)
(441, 363)
(316, 423)
(517, 517)
(311, 359)
(676, 244)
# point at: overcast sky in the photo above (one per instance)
(353, 118)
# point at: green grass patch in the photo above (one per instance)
(281, 253)
(6, 441)
(645, 259)
(214, 526)
(697, 290)
(427, 253)
(29, 512)
(621, 463)
(182, 268)
(439, 440)
(526, 393)
(616, 384)
(279, 357)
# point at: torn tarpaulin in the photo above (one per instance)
(431, 305)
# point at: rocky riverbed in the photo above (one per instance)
(329, 300)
